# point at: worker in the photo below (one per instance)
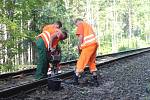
(54, 59)
(47, 40)
(87, 47)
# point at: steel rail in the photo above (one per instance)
(28, 86)
(7, 75)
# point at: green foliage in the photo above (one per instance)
(24, 20)
(105, 44)
(69, 48)
(123, 48)
(16, 16)
(6, 68)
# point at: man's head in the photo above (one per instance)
(77, 21)
(58, 24)
(65, 35)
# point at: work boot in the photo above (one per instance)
(93, 81)
(83, 79)
(49, 72)
(59, 71)
(96, 83)
(75, 80)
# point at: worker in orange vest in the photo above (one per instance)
(87, 47)
(47, 40)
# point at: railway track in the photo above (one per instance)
(24, 86)
(124, 79)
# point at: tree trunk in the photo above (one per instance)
(130, 23)
(114, 44)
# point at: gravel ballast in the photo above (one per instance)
(126, 79)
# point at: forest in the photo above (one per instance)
(119, 25)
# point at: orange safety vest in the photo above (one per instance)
(89, 36)
(48, 31)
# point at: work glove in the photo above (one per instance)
(52, 49)
(79, 50)
(33, 43)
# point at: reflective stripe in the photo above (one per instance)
(88, 37)
(48, 34)
(47, 41)
(88, 42)
(46, 37)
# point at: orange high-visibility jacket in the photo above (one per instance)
(48, 31)
(89, 37)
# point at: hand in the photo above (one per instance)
(79, 50)
(52, 49)
(33, 43)
(36, 37)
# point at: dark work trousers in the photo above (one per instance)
(42, 66)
